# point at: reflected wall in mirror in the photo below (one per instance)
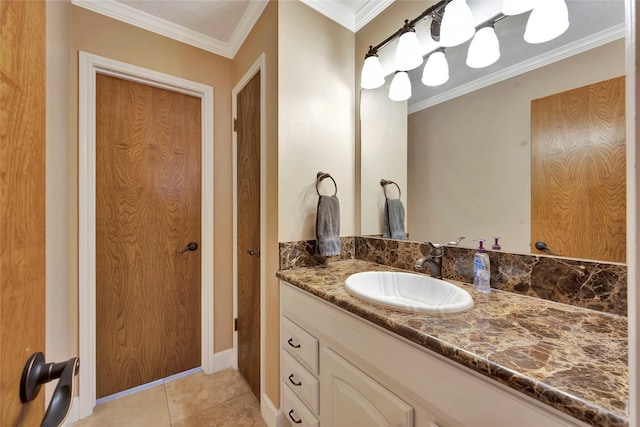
(469, 159)
(384, 155)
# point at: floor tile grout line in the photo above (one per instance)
(166, 401)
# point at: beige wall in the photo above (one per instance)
(74, 29)
(61, 297)
(383, 155)
(316, 118)
(322, 140)
(99, 35)
(378, 29)
(264, 38)
(469, 158)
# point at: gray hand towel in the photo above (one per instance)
(393, 224)
(328, 226)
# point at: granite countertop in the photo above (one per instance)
(570, 358)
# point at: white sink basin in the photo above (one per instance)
(408, 292)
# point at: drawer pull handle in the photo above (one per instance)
(293, 419)
(297, 384)
(290, 341)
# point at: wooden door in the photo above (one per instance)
(578, 172)
(148, 143)
(22, 203)
(248, 199)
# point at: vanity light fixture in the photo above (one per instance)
(409, 51)
(400, 88)
(436, 69)
(451, 25)
(548, 20)
(484, 49)
(516, 7)
(372, 76)
(457, 24)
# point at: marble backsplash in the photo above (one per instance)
(595, 285)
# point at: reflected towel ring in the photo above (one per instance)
(384, 183)
(322, 175)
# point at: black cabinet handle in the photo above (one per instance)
(290, 341)
(293, 419)
(297, 384)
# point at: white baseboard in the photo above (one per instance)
(222, 360)
(272, 416)
(74, 413)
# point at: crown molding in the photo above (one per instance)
(138, 18)
(343, 15)
(370, 11)
(598, 39)
(244, 27)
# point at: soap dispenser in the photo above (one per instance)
(481, 269)
(496, 245)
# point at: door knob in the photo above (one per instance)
(192, 246)
(36, 372)
(542, 246)
(254, 252)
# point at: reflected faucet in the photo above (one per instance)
(456, 242)
(432, 256)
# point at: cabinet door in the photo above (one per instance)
(350, 398)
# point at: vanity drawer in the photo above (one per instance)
(305, 385)
(295, 411)
(299, 343)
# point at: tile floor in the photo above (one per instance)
(196, 400)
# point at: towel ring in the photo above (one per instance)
(322, 175)
(384, 183)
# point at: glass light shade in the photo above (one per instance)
(408, 52)
(457, 24)
(372, 76)
(548, 20)
(436, 70)
(516, 7)
(400, 88)
(484, 49)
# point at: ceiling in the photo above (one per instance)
(221, 26)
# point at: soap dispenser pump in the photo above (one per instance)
(496, 245)
(481, 269)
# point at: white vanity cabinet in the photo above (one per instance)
(352, 398)
(299, 370)
(368, 376)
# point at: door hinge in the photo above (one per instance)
(235, 324)
(235, 125)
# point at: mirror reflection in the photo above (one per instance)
(467, 163)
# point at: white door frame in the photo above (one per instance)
(90, 65)
(258, 65)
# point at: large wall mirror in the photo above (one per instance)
(468, 165)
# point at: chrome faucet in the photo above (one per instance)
(432, 256)
(456, 242)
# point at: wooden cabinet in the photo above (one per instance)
(368, 376)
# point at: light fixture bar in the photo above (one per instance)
(438, 7)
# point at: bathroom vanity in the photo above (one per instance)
(509, 360)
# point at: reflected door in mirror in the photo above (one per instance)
(578, 194)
